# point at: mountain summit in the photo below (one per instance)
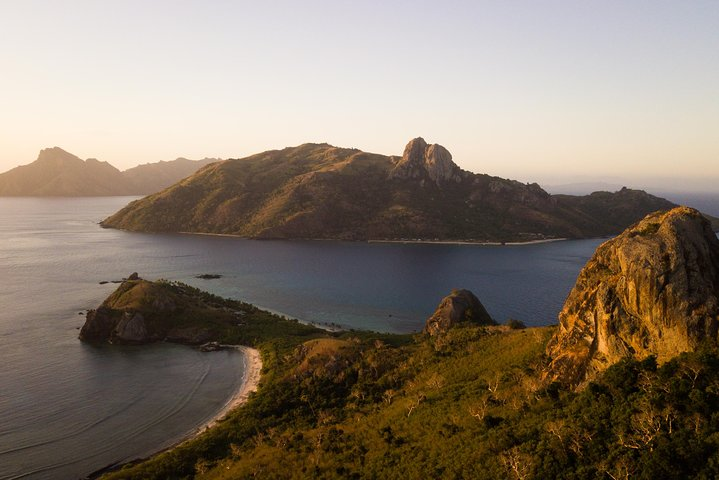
(321, 191)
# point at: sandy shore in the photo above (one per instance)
(438, 242)
(250, 381)
(251, 378)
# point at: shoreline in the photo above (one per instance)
(251, 380)
(467, 242)
(408, 241)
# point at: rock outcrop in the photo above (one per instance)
(653, 290)
(140, 311)
(432, 161)
(457, 307)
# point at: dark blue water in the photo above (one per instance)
(379, 286)
(67, 408)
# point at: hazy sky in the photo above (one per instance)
(533, 90)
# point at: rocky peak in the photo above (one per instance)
(457, 307)
(420, 160)
(653, 290)
(57, 156)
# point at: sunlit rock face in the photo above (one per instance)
(457, 307)
(653, 290)
(420, 160)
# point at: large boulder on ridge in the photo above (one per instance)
(457, 307)
(653, 290)
(420, 160)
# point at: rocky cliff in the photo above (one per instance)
(653, 290)
(460, 306)
(321, 191)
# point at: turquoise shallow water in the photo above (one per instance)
(67, 409)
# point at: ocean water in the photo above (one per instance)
(67, 409)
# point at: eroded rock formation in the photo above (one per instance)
(421, 160)
(653, 290)
(457, 307)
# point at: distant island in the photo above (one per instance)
(58, 173)
(625, 387)
(317, 191)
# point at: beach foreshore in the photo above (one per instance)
(251, 379)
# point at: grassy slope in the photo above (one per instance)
(468, 404)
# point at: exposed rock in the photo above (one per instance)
(133, 276)
(653, 290)
(98, 325)
(131, 328)
(420, 160)
(457, 307)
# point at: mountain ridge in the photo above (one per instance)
(57, 172)
(326, 192)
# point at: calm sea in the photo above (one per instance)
(67, 408)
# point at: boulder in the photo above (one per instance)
(653, 290)
(422, 161)
(457, 307)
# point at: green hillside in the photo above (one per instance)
(467, 404)
(321, 191)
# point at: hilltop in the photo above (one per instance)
(59, 173)
(325, 192)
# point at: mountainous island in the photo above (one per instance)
(626, 387)
(323, 192)
(62, 174)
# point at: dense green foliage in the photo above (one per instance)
(466, 404)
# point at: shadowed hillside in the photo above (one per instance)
(58, 173)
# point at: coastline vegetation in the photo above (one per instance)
(465, 404)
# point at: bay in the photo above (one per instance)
(67, 408)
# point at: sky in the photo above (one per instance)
(556, 92)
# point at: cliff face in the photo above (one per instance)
(321, 191)
(653, 290)
(457, 307)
